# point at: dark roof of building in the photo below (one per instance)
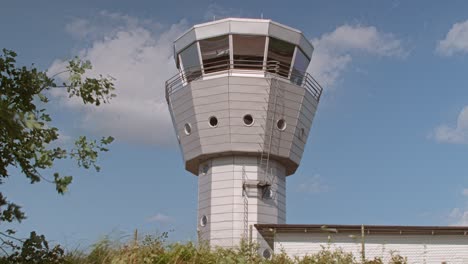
(269, 229)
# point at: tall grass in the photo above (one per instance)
(155, 250)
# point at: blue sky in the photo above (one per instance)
(388, 144)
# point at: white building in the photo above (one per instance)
(420, 244)
(242, 106)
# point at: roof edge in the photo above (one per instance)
(260, 20)
(266, 229)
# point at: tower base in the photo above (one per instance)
(232, 196)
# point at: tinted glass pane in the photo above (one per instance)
(280, 52)
(215, 53)
(301, 62)
(191, 62)
(248, 51)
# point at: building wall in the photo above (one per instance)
(229, 98)
(418, 248)
(220, 200)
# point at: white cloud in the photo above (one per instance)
(313, 185)
(160, 218)
(458, 217)
(138, 54)
(105, 24)
(79, 28)
(456, 40)
(334, 50)
(457, 134)
(215, 12)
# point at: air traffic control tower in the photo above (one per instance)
(242, 107)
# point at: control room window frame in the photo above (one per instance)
(284, 70)
(294, 76)
(245, 65)
(230, 58)
(182, 70)
(204, 53)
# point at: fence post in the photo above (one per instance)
(363, 245)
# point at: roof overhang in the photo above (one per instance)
(268, 229)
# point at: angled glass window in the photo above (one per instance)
(248, 51)
(215, 53)
(280, 53)
(301, 62)
(191, 62)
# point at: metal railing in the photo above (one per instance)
(229, 68)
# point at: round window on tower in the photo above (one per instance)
(203, 220)
(248, 120)
(281, 124)
(266, 253)
(187, 129)
(268, 193)
(213, 121)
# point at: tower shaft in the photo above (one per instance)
(221, 199)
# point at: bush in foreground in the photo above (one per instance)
(155, 250)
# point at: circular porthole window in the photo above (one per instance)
(187, 129)
(266, 253)
(213, 121)
(268, 193)
(203, 220)
(281, 124)
(248, 120)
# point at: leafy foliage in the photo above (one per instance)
(27, 134)
(154, 250)
(35, 250)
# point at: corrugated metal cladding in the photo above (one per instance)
(229, 99)
(417, 248)
(220, 199)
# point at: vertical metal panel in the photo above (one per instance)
(306, 46)
(188, 38)
(280, 32)
(253, 27)
(212, 30)
(417, 248)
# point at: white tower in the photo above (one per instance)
(242, 106)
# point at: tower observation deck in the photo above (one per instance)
(242, 106)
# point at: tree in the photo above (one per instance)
(27, 134)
